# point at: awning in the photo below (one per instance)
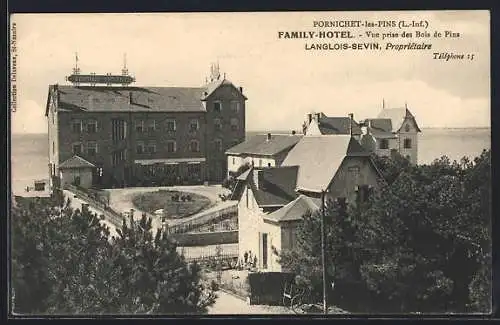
(169, 161)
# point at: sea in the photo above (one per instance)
(29, 152)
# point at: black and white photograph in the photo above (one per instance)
(250, 163)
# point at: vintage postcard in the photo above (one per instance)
(250, 163)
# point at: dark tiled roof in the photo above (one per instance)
(379, 125)
(212, 86)
(276, 185)
(88, 98)
(338, 125)
(397, 117)
(144, 99)
(294, 210)
(76, 162)
(319, 158)
(259, 145)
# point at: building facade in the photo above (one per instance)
(261, 150)
(146, 135)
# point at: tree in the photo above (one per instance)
(421, 243)
(63, 261)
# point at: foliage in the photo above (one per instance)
(230, 181)
(175, 204)
(64, 262)
(422, 243)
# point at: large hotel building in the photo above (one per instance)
(117, 135)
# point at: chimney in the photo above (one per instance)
(241, 90)
(351, 118)
(269, 137)
(309, 118)
(318, 115)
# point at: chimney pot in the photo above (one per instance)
(241, 90)
(309, 118)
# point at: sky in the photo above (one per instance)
(283, 81)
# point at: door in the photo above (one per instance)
(264, 251)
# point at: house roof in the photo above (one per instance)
(380, 125)
(76, 162)
(294, 210)
(144, 99)
(319, 158)
(276, 185)
(212, 86)
(260, 145)
(397, 117)
(337, 125)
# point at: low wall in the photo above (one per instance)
(205, 238)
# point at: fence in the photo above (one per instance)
(204, 219)
(224, 252)
(97, 203)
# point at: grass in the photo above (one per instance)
(162, 199)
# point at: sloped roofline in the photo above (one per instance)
(221, 83)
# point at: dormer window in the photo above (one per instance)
(218, 106)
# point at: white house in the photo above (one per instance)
(395, 129)
(261, 150)
(273, 201)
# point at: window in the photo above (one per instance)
(91, 148)
(92, 126)
(194, 171)
(407, 143)
(407, 128)
(193, 125)
(53, 147)
(139, 148)
(151, 148)
(194, 146)
(384, 144)
(171, 126)
(77, 148)
(363, 193)
(234, 124)
(217, 124)
(171, 146)
(234, 160)
(118, 156)
(268, 164)
(76, 126)
(118, 130)
(151, 125)
(217, 106)
(354, 172)
(139, 126)
(235, 106)
(218, 144)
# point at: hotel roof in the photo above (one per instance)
(337, 125)
(140, 99)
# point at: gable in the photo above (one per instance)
(409, 125)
